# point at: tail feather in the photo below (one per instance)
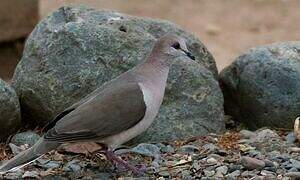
(29, 155)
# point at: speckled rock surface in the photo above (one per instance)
(10, 116)
(261, 87)
(76, 49)
(28, 137)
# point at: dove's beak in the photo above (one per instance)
(189, 54)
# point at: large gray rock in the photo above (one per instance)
(75, 50)
(10, 116)
(261, 87)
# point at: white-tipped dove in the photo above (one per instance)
(115, 112)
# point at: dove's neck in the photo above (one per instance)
(154, 69)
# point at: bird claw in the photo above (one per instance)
(141, 169)
(136, 170)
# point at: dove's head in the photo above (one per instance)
(170, 47)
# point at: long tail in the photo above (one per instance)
(29, 155)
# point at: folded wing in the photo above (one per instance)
(111, 111)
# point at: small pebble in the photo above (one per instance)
(210, 147)
(51, 164)
(295, 163)
(246, 134)
(248, 174)
(190, 149)
(234, 174)
(102, 176)
(167, 149)
(222, 169)
(165, 174)
(270, 177)
(252, 163)
(31, 174)
(293, 174)
(293, 169)
(211, 161)
(268, 163)
(265, 172)
(209, 173)
(147, 150)
(290, 138)
(234, 167)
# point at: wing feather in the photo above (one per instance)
(116, 108)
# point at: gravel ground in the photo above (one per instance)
(263, 154)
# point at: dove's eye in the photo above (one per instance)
(176, 45)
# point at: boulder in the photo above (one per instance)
(17, 18)
(10, 116)
(27, 137)
(261, 87)
(76, 49)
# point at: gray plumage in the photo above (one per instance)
(115, 112)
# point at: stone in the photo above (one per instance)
(295, 163)
(210, 147)
(211, 161)
(209, 173)
(147, 150)
(50, 164)
(248, 174)
(167, 149)
(270, 177)
(286, 178)
(261, 86)
(28, 137)
(293, 169)
(215, 156)
(164, 174)
(246, 134)
(252, 163)
(263, 135)
(294, 175)
(267, 140)
(290, 138)
(265, 172)
(234, 167)
(234, 175)
(17, 18)
(186, 175)
(269, 163)
(221, 171)
(189, 149)
(75, 49)
(10, 115)
(31, 174)
(102, 176)
(72, 166)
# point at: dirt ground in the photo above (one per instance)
(226, 27)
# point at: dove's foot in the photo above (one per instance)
(111, 156)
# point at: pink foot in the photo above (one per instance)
(135, 170)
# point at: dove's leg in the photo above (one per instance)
(114, 158)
